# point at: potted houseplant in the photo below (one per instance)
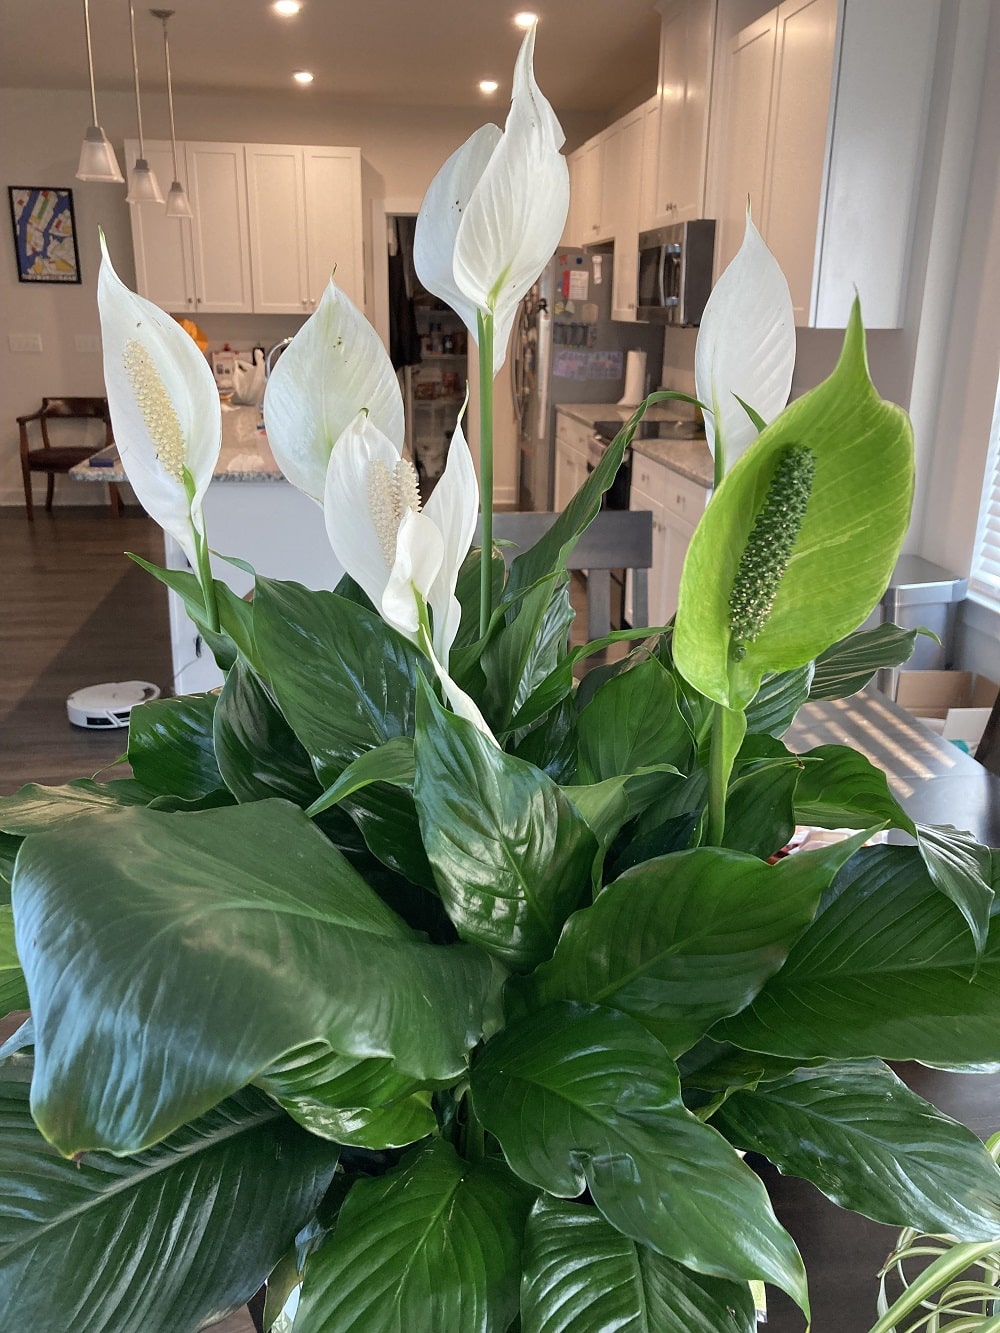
(438, 992)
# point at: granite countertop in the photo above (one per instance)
(682, 452)
(245, 453)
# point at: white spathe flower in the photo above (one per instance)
(494, 213)
(164, 404)
(406, 559)
(745, 347)
(334, 367)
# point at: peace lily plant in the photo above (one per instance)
(430, 987)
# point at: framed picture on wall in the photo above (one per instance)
(44, 233)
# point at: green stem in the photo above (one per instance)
(717, 779)
(485, 323)
(474, 1136)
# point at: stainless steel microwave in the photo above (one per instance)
(675, 272)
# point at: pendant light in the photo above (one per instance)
(177, 200)
(97, 157)
(143, 187)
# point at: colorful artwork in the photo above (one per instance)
(44, 234)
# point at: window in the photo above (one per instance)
(985, 576)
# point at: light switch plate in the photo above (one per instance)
(24, 342)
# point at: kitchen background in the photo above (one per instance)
(941, 362)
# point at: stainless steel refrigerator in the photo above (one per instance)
(566, 348)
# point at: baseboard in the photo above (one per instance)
(504, 497)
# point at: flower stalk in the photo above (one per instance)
(485, 325)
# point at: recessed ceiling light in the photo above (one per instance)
(525, 19)
(302, 76)
(286, 8)
(488, 85)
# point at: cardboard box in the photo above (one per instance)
(956, 704)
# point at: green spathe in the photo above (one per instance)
(846, 549)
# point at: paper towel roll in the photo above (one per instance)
(635, 379)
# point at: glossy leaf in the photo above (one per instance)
(680, 942)
(633, 722)
(170, 746)
(235, 635)
(778, 700)
(170, 987)
(844, 552)
(583, 1276)
(257, 752)
(364, 1103)
(34, 807)
(391, 762)
(584, 1097)
(760, 814)
(433, 1244)
(13, 992)
(850, 664)
(840, 788)
(511, 855)
(869, 1143)
(886, 969)
(175, 1237)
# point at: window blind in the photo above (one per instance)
(985, 576)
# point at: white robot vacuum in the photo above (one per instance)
(100, 707)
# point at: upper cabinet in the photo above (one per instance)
(271, 223)
(587, 194)
(677, 186)
(818, 116)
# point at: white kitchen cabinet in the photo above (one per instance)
(164, 262)
(686, 50)
(819, 118)
(572, 442)
(627, 146)
(586, 168)
(305, 218)
(220, 233)
(676, 504)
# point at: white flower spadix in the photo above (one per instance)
(745, 348)
(493, 215)
(335, 367)
(165, 409)
(406, 559)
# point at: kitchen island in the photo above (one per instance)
(251, 513)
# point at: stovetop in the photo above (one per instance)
(653, 430)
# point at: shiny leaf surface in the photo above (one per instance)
(170, 746)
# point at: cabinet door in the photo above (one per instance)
(164, 271)
(334, 222)
(675, 538)
(650, 146)
(587, 217)
(686, 38)
(799, 115)
(218, 189)
(276, 205)
(626, 267)
(744, 133)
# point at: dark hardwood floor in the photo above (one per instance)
(74, 611)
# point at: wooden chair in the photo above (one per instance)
(52, 458)
(616, 539)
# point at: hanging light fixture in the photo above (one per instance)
(177, 200)
(97, 157)
(143, 187)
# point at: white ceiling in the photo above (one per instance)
(591, 55)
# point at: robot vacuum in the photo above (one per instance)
(101, 707)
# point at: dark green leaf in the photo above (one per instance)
(887, 969)
(633, 722)
(683, 941)
(549, 646)
(13, 992)
(850, 664)
(609, 804)
(391, 762)
(869, 1143)
(760, 814)
(258, 754)
(584, 1097)
(779, 698)
(433, 1245)
(511, 855)
(34, 808)
(673, 835)
(508, 660)
(235, 614)
(839, 788)
(583, 1276)
(174, 985)
(365, 1103)
(170, 746)
(467, 590)
(174, 1238)
(551, 745)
